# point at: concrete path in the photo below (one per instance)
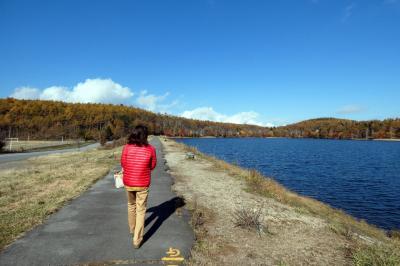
(93, 228)
(10, 157)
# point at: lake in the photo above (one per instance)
(360, 177)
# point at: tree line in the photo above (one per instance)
(37, 119)
(333, 128)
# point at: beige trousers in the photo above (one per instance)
(137, 201)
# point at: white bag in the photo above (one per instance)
(118, 179)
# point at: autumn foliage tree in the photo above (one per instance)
(52, 120)
(334, 128)
(36, 119)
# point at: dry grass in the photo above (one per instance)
(208, 249)
(377, 254)
(367, 244)
(31, 190)
(395, 234)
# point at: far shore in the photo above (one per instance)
(387, 139)
(220, 137)
(203, 137)
(378, 139)
(214, 137)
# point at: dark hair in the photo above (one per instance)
(139, 136)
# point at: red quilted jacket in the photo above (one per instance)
(137, 162)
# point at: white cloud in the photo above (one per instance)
(98, 91)
(91, 90)
(155, 103)
(26, 93)
(208, 113)
(348, 12)
(101, 90)
(56, 93)
(244, 118)
(350, 109)
(150, 101)
(204, 113)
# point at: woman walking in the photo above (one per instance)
(137, 160)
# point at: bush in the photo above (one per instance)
(115, 143)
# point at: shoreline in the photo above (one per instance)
(238, 137)
(386, 139)
(300, 230)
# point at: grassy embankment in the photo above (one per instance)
(31, 190)
(365, 244)
(42, 145)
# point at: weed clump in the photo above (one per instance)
(250, 219)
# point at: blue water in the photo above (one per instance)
(359, 177)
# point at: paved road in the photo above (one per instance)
(93, 228)
(10, 157)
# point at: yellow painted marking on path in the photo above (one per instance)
(174, 255)
(173, 252)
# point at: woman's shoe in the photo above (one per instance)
(134, 245)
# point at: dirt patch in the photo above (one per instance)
(290, 238)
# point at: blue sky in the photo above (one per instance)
(260, 62)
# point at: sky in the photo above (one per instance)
(261, 62)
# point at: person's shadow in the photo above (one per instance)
(161, 213)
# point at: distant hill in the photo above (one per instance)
(52, 120)
(341, 129)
